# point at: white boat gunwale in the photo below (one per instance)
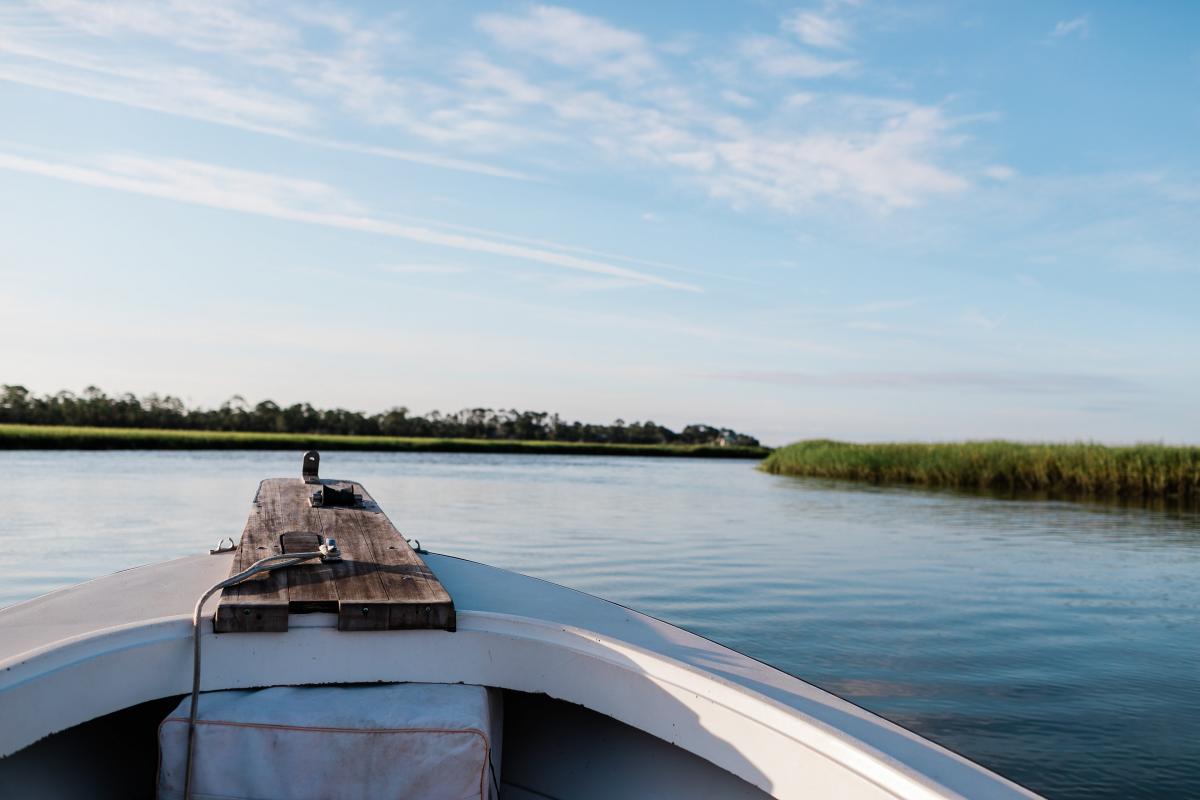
(715, 685)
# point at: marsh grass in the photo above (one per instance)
(61, 437)
(1144, 472)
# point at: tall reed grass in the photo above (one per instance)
(1138, 472)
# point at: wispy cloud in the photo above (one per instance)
(847, 148)
(779, 59)
(881, 306)
(293, 200)
(975, 318)
(576, 285)
(181, 91)
(819, 28)
(612, 92)
(570, 39)
(800, 148)
(197, 95)
(1103, 224)
(843, 147)
(46, 58)
(565, 248)
(1014, 382)
(887, 165)
(738, 99)
(873, 326)
(215, 26)
(707, 330)
(1080, 26)
(425, 269)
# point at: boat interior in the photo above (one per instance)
(551, 749)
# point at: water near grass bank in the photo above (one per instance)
(1145, 472)
(62, 437)
(1054, 642)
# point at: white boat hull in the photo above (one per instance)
(112, 643)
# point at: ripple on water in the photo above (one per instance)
(1054, 642)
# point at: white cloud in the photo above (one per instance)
(778, 59)
(1020, 382)
(728, 137)
(482, 75)
(879, 151)
(872, 326)
(294, 200)
(680, 45)
(851, 148)
(425, 269)
(977, 319)
(1079, 26)
(818, 29)
(182, 91)
(798, 100)
(218, 25)
(1103, 224)
(885, 165)
(999, 172)
(880, 306)
(570, 39)
(44, 61)
(565, 248)
(737, 99)
(414, 157)
(573, 284)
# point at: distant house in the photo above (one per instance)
(728, 438)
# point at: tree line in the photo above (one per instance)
(95, 408)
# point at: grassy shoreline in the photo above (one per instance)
(60, 437)
(1144, 472)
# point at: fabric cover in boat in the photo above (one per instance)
(404, 740)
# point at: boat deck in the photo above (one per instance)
(373, 580)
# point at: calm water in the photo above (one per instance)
(1055, 643)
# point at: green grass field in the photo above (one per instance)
(1145, 472)
(55, 437)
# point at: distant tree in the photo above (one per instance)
(94, 407)
(15, 404)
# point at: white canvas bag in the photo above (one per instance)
(406, 740)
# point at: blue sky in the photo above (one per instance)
(863, 220)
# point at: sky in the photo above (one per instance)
(853, 219)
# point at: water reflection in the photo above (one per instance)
(1055, 642)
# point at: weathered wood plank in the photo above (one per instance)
(417, 598)
(381, 583)
(261, 603)
(309, 587)
(362, 600)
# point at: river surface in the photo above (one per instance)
(1056, 643)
